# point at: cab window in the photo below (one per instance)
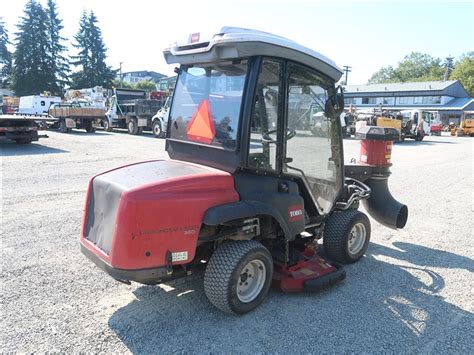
(264, 122)
(313, 148)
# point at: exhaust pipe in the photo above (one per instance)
(382, 206)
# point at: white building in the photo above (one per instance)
(448, 98)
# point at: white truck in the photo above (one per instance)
(418, 123)
(37, 104)
(159, 121)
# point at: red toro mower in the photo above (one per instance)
(248, 191)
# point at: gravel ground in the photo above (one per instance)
(412, 292)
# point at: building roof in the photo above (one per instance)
(401, 87)
(234, 42)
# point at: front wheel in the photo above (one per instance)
(238, 276)
(157, 129)
(419, 136)
(346, 236)
(106, 125)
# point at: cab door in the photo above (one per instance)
(313, 144)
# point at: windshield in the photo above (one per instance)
(206, 104)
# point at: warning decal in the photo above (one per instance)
(201, 127)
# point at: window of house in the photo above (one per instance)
(388, 100)
(418, 100)
(372, 100)
(403, 100)
(365, 101)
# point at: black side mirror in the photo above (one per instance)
(335, 104)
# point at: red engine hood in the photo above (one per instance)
(137, 213)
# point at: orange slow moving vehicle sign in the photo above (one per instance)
(201, 127)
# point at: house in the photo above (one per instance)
(142, 75)
(448, 99)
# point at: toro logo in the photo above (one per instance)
(295, 213)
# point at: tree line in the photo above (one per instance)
(423, 67)
(40, 62)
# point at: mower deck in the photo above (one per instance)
(311, 274)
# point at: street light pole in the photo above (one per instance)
(347, 70)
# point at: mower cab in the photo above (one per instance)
(251, 185)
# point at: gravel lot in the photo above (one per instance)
(411, 293)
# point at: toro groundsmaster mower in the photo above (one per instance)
(247, 192)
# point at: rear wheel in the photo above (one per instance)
(157, 129)
(63, 127)
(238, 276)
(90, 128)
(346, 236)
(132, 126)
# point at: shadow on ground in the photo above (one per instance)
(13, 149)
(380, 306)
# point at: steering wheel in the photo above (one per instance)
(267, 139)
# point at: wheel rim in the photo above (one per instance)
(251, 281)
(357, 238)
(131, 126)
(157, 129)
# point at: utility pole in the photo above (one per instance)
(121, 78)
(347, 70)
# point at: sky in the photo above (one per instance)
(364, 35)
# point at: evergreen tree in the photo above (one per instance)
(91, 55)
(5, 57)
(448, 65)
(59, 66)
(31, 71)
(464, 72)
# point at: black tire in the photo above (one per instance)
(419, 137)
(225, 273)
(338, 236)
(106, 125)
(90, 128)
(23, 140)
(157, 129)
(132, 126)
(63, 127)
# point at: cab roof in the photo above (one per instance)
(234, 42)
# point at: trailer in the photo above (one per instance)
(22, 129)
(132, 110)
